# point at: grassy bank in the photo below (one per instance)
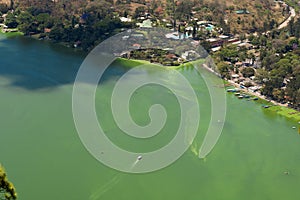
(134, 63)
(11, 34)
(129, 63)
(286, 112)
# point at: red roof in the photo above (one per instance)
(136, 45)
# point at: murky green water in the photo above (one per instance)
(45, 159)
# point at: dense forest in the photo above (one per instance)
(71, 22)
(281, 65)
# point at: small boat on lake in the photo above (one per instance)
(139, 158)
(233, 90)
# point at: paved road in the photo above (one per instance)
(286, 22)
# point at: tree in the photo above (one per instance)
(293, 91)
(283, 67)
(7, 189)
(25, 21)
(224, 69)
(248, 72)
(263, 40)
(3, 8)
(43, 18)
(279, 45)
(206, 45)
(183, 10)
(228, 53)
(138, 11)
(11, 20)
(261, 75)
(278, 94)
(56, 33)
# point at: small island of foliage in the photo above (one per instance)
(159, 56)
(7, 189)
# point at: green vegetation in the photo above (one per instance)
(84, 24)
(81, 24)
(128, 63)
(160, 56)
(12, 34)
(286, 112)
(248, 72)
(294, 4)
(134, 63)
(280, 71)
(277, 68)
(7, 189)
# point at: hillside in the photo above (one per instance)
(88, 22)
(7, 2)
(254, 15)
(259, 15)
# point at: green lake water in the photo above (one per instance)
(44, 158)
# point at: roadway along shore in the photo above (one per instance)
(257, 94)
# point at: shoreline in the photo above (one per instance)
(146, 62)
(9, 34)
(273, 106)
(282, 109)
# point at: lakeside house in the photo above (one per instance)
(206, 23)
(215, 49)
(47, 30)
(224, 37)
(145, 24)
(190, 55)
(125, 19)
(234, 76)
(136, 46)
(247, 45)
(217, 42)
(177, 36)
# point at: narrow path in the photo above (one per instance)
(257, 94)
